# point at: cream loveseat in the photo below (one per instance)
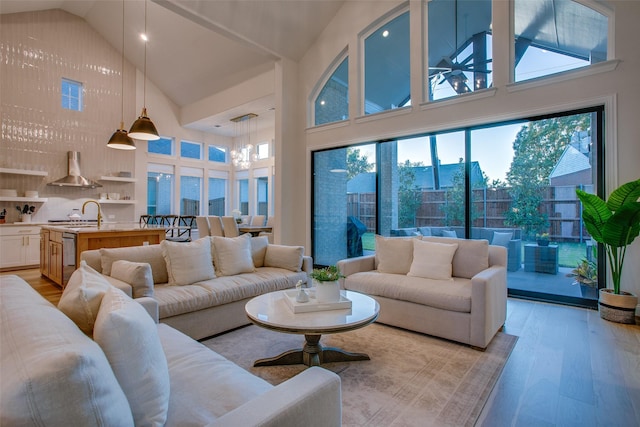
(450, 288)
(133, 371)
(201, 287)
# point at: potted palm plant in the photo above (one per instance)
(615, 224)
(325, 281)
(586, 275)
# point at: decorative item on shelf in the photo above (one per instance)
(615, 224)
(326, 283)
(243, 154)
(3, 213)
(143, 128)
(25, 212)
(74, 215)
(542, 239)
(236, 214)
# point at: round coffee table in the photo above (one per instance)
(271, 311)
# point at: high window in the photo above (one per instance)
(555, 36)
(191, 150)
(460, 52)
(160, 185)
(386, 66)
(71, 95)
(332, 103)
(161, 146)
(217, 154)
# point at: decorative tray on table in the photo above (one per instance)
(313, 304)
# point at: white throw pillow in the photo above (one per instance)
(501, 239)
(258, 250)
(129, 338)
(151, 254)
(432, 260)
(137, 274)
(81, 297)
(282, 256)
(188, 263)
(394, 254)
(232, 255)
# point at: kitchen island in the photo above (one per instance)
(61, 245)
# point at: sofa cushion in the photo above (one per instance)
(129, 338)
(215, 387)
(394, 254)
(176, 300)
(444, 294)
(232, 255)
(471, 257)
(52, 373)
(151, 254)
(137, 274)
(501, 239)
(188, 262)
(258, 250)
(81, 298)
(425, 231)
(287, 257)
(432, 260)
(449, 233)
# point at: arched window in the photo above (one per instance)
(460, 51)
(332, 103)
(386, 66)
(556, 35)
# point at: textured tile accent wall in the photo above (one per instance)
(38, 49)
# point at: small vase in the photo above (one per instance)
(26, 218)
(543, 243)
(327, 291)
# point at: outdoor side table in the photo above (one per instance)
(541, 259)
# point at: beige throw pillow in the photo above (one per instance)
(282, 256)
(232, 255)
(81, 297)
(471, 258)
(258, 250)
(432, 260)
(137, 274)
(188, 263)
(394, 254)
(129, 338)
(151, 254)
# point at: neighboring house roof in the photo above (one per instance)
(366, 182)
(570, 162)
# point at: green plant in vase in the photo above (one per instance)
(326, 283)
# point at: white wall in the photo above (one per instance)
(617, 89)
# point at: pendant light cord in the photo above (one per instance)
(122, 72)
(144, 89)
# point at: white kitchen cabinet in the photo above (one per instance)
(19, 246)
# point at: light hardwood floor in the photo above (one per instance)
(569, 367)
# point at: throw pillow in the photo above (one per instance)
(258, 250)
(81, 298)
(151, 254)
(449, 233)
(432, 260)
(394, 254)
(471, 258)
(287, 257)
(501, 239)
(188, 263)
(425, 231)
(137, 274)
(232, 255)
(129, 338)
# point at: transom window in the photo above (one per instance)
(332, 103)
(191, 150)
(161, 146)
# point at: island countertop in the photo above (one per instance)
(109, 227)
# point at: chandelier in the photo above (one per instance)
(243, 152)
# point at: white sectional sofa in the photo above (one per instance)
(134, 371)
(450, 288)
(201, 288)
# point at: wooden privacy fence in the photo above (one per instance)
(560, 204)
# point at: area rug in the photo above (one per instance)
(411, 380)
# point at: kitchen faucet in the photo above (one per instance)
(99, 213)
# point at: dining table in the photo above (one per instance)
(255, 230)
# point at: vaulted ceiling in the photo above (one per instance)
(198, 48)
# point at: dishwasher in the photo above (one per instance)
(68, 256)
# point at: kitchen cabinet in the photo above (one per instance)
(19, 246)
(51, 261)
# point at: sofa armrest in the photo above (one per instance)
(350, 266)
(488, 304)
(311, 399)
(307, 264)
(152, 307)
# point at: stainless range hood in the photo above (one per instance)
(73, 178)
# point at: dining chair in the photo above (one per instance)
(229, 226)
(271, 221)
(203, 226)
(258, 220)
(215, 226)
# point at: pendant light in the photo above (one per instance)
(120, 140)
(143, 128)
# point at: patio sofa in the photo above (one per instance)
(510, 238)
(450, 288)
(201, 287)
(132, 371)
